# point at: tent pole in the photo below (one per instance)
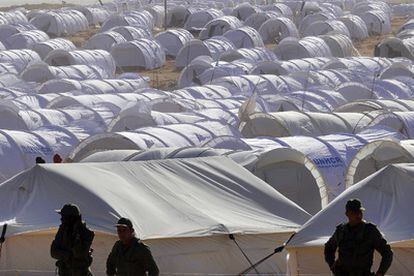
(165, 15)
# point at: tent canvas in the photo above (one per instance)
(183, 208)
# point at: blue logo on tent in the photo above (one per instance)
(328, 162)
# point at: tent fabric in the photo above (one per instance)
(324, 27)
(198, 19)
(99, 58)
(387, 197)
(257, 19)
(43, 48)
(244, 10)
(104, 40)
(132, 18)
(132, 32)
(61, 22)
(157, 12)
(356, 26)
(7, 30)
(173, 40)
(144, 53)
(26, 39)
(276, 29)
(308, 47)
(219, 26)
(244, 37)
(19, 58)
(238, 203)
(94, 15)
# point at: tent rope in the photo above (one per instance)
(231, 236)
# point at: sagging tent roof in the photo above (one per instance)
(308, 47)
(198, 19)
(173, 40)
(61, 22)
(158, 13)
(291, 123)
(104, 40)
(7, 30)
(19, 58)
(377, 21)
(20, 148)
(276, 29)
(244, 10)
(25, 39)
(41, 72)
(95, 15)
(104, 86)
(388, 204)
(256, 20)
(132, 32)
(134, 18)
(376, 155)
(340, 45)
(372, 105)
(175, 135)
(43, 48)
(212, 47)
(99, 58)
(143, 53)
(324, 27)
(219, 26)
(262, 84)
(400, 121)
(392, 47)
(356, 26)
(236, 203)
(244, 37)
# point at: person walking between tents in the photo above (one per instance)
(129, 256)
(356, 242)
(72, 244)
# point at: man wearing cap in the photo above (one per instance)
(129, 256)
(356, 242)
(72, 244)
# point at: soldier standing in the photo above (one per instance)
(356, 242)
(72, 244)
(129, 256)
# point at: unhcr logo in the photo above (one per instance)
(328, 162)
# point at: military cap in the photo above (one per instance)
(69, 210)
(124, 222)
(354, 205)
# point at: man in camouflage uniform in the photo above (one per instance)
(72, 244)
(356, 242)
(129, 256)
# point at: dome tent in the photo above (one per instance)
(104, 41)
(383, 198)
(95, 15)
(7, 30)
(173, 40)
(311, 46)
(325, 27)
(276, 29)
(212, 47)
(339, 44)
(394, 47)
(198, 19)
(244, 10)
(356, 26)
(100, 58)
(135, 18)
(272, 217)
(178, 15)
(132, 32)
(19, 58)
(244, 37)
(26, 39)
(61, 22)
(143, 53)
(257, 19)
(219, 26)
(43, 48)
(377, 22)
(158, 14)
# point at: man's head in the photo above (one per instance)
(70, 213)
(354, 211)
(125, 230)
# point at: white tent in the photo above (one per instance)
(387, 197)
(135, 18)
(311, 46)
(26, 39)
(43, 48)
(95, 15)
(325, 27)
(212, 47)
(61, 22)
(99, 58)
(158, 13)
(276, 29)
(393, 47)
(236, 203)
(132, 33)
(199, 18)
(377, 21)
(104, 40)
(7, 30)
(244, 10)
(219, 26)
(19, 58)
(178, 15)
(372, 105)
(257, 19)
(13, 17)
(143, 53)
(244, 37)
(356, 26)
(340, 45)
(173, 40)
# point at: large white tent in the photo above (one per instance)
(217, 196)
(387, 198)
(61, 22)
